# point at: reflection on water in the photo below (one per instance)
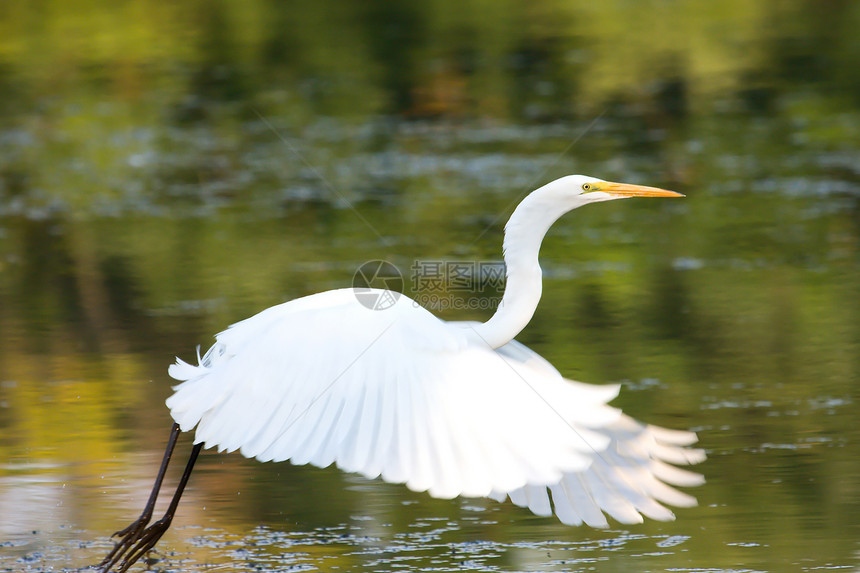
(166, 171)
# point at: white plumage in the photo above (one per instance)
(453, 408)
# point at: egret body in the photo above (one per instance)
(452, 408)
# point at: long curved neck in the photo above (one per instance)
(523, 236)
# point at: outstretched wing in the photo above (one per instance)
(400, 394)
(627, 480)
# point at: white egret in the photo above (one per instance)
(451, 408)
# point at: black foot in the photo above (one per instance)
(135, 547)
(137, 539)
(147, 541)
(128, 537)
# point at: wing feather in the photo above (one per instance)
(564, 509)
(538, 500)
(583, 501)
(325, 409)
(398, 459)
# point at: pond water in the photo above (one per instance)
(167, 171)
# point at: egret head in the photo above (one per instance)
(542, 207)
(582, 189)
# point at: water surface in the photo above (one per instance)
(164, 173)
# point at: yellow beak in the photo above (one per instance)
(627, 190)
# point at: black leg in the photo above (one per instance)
(153, 533)
(132, 533)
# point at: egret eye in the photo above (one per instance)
(586, 187)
